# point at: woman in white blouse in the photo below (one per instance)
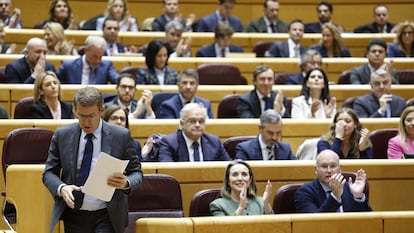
(315, 100)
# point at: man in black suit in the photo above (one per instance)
(110, 33)
(309, 60)
(262, 97)
(27, 68)
(269, 23)
(380, 24)
(291, 47)
(325, 11)
(380, 102)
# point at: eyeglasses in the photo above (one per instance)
(116, 118)
(328, 166)
(87, 117)
(195, 121)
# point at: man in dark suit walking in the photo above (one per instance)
(190, 142)
(267, 145)
(73, 152)
(270, 22)
(330, 192)
(380, 102)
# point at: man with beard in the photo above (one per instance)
(126, 88)
(187, 88)
(110, 33)
(190, 143)
(325, 11)
(291, 47)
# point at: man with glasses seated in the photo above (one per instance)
(125, 89)
(190, 143)
(267, 145)
(330, 192)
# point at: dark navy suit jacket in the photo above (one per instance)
(368, 105)
(39, 111)
(121, 48)
(322, 50)
(170, 109)
(210, 51)
(281, 49)
(313, 27)
(174, 149)
(248, 105)
(395, 51)
(70, 72)
(372, 28)
(295, 79)
(208, 23)
(158, 25)
(311, 198)
(250, 150)
(19, 71)
(362, 75)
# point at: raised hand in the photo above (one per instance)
(329, 107)
(316, 104)
(336, 183)
(278, 102)
(266, 197)
(339, 129)
(357, 187)
(363, 140)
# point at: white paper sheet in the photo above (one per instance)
(96, 185)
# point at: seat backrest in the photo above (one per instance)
(353, 175)
(158, 196)
(379, 139)
(3, 74)
(261, 47)
(26, 146)
(349, 102)
(308, 149)
(231, 143)
(220, 74)
(146, 24)
(129, 69)
(200, 204)
(227, 107)
(284, 199)
(158, 98)
(22, 109)
(405, 76)
(345, 77)
(289, 104)
(280, 78)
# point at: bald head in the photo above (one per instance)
(327, 164)
(35, 49)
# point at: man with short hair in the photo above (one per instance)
(262, 97)
(309, 60)
(126, 89)
(291, 47)
(110, 30)
(187, 88)
(171, 13)
(376, 53)
(380, 102)
(222, 14)
(73, 153)
(380, 24)
(222, 45)
(173, 36)
(190, 142)
(89, 68)
(270, 22)
(10, 21)
(29, 67)
(330, 191)
(267, 145)
(325, 11)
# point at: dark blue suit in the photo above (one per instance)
(40, 111)
(158, 25)
(322, 50)
(395, 51)
(248, 105)
(121, 48)
(295, 79)
(174, 149)
(281, 49)
(170, 109)
(250, 150)
(311, 198)
(210, 50)
(19, 71)
(208, 23)
(372, 28)
(313, 27)
(368, 105)
(70, 72)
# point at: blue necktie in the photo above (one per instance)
(268, 103)
(196, 153)
(84, 170)
(388, 110)
(91, 79)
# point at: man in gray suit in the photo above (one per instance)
(73, 152)
(376, 53)
(269, 23)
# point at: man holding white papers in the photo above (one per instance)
(73, 152)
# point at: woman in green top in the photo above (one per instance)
(239, 193)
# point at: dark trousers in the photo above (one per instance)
(82, 221)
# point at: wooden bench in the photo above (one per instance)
(387, 180)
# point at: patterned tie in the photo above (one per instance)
(268, 103)
(196, 153)
(269, 153)
(92, 76)
(84, 170)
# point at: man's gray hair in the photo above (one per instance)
(174, 24)
(269, 116)
(190, 107)
(95, 41)
(188, 72)
(307, 56)
(88, 96)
